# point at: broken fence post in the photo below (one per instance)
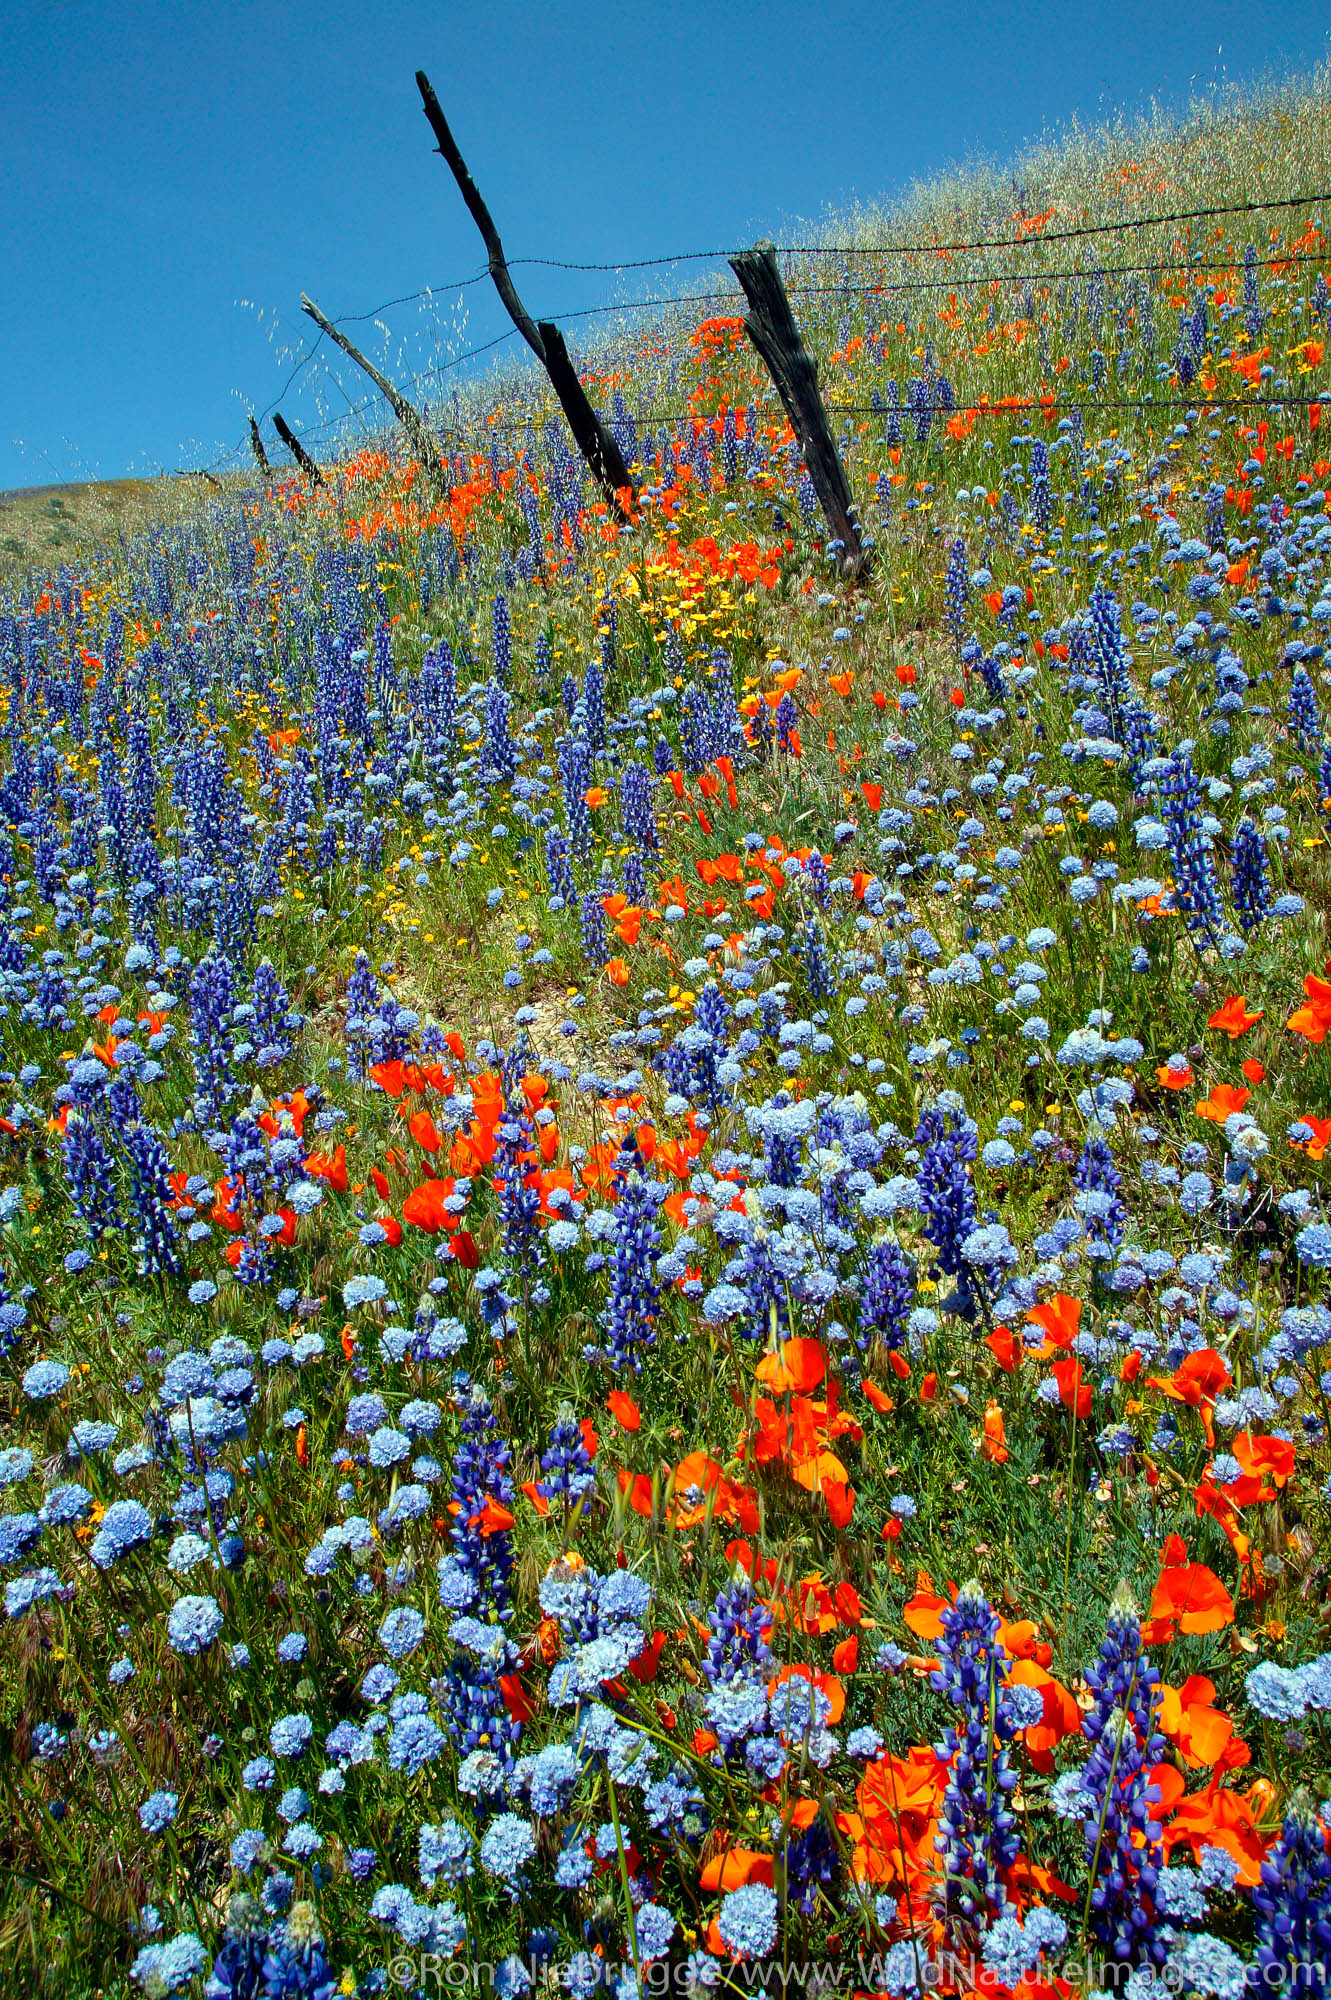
(256, 445)
(410, 418)
(591, 434)
(770, 325)
(297, 449)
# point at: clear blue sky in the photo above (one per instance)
(178, 173)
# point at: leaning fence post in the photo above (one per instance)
(297, 449)
(410, 418)
(593, 437)
(256, 445)
(770, 325)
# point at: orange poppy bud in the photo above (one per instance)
(623, 1409)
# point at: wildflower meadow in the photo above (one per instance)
(665, 1277)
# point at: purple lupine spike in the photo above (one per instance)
(1301, 709)
(1195, 884)
(212, 995)
(574, 761)
(819, 972)
(947, 1194)
(628, 1324)
(977, 1837)
(559, 866)
(1251, 879)
(565, 1464)
(887, 1295)
(636, 812)
(502, 634)
(595, 940)
(90, 1174)
(740, 1629)
(1121, 1837)
(1293, 1905)
(150, 1193)
(956, 590)
(499, 755)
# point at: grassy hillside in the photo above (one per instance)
(663, 1236)
(44, 526)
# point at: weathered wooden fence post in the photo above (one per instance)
(410, 418)
(770, 325)
(593, 438)
(297, 449)
(256, 445)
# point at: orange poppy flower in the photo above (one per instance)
(1006, 1349)
(1060, 1317)
(799, 1366)
(1171, 1078)
(1197, 1381)
(1224, 1099)
(1313, 1020)
(638, 1487)
(1073, 1392)
(993, 1444)
(1321, 1131)
(424, 1131)
(331, 1168)
(424, 1207)
(1216, 1817)
(734, 1867)
(517, 1701)
(623, 1409)
(1198, 1730)
(1188, 1597)
(644, 1667)
(493, 1519)
(463, 1248)
(1270, 1456)
(1232, 1017)
(923, 1612)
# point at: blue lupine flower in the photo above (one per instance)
(1122, 1841)
(977, 1836)
(1293, 1905)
